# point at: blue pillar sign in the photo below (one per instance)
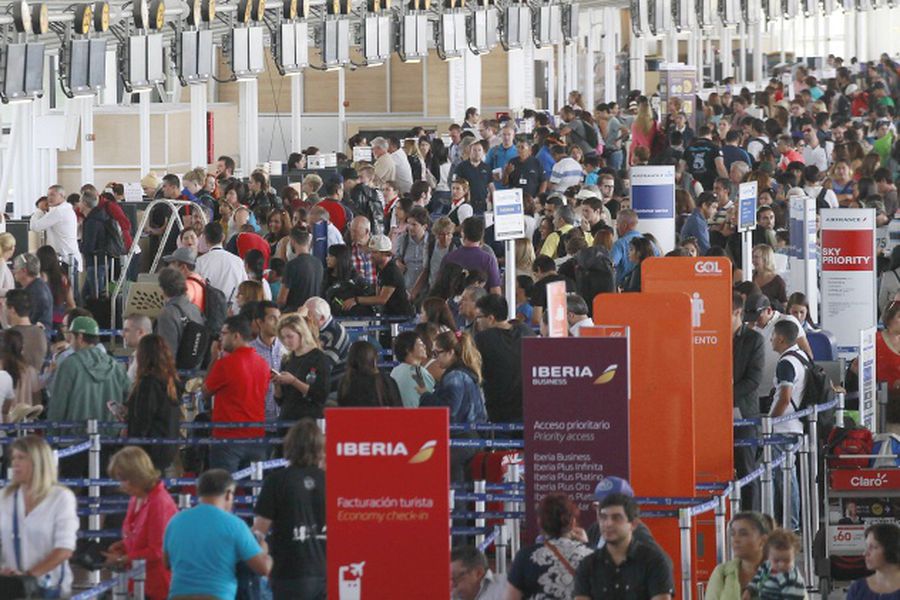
(747, 199)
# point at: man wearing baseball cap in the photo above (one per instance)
(390, 289)
(615, 485)
(184, 260)
(89, 381)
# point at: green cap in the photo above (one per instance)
(84, 325)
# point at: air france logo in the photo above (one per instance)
(372, 449)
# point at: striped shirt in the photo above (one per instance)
(566, 173)
(766, 585)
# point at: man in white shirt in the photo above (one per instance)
(814, 187)
(59, 224)
(224, 270)
(789, 381)
(577, 314)
(385, 168)
(814, 152)
(566, 172)
(759, 312)
(471, 577)
(404, 178)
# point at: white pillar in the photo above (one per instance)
(610, 15)
(9, 155)
(783, 44)
(144, 132)
(588, 71)
(758, 73)
(727, 52)
(296, 112)
(742, 48)
(561, 83)
(342, 110)
(795, 42)
(862, 53)
(817, 28)
(248, 126)
(198, 126)
(87, 139)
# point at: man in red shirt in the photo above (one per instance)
(238, 382)
(338, 213)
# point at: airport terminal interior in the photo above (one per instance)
(429, 299)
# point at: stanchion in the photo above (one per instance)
(814, 462)
(94, 490)
(721, 529)
(501, 543)
(841, 407)
(513, 475)
(184, 501)
(256, 477)
(787, 485)
(805, 509)
(120, 592)
(684, 525)
(882, 406)
(480, 507)
(139, 579)
(701, 589)
(766, 488)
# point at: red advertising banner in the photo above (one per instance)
(557, 325)
(848, 249)
(865, 480)
(575, 394)
(707, 283)
(388, 503)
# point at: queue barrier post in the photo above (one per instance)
(94, 490)
(787, 483)
(701, 589)
(139, 579)
(766, 488)
(806, 515)
(184, 501)
(120, 592)
(514, 475)
(256, 478)
(501, 543)
(721, 529)
(735, 497)
(882, 397)
(684, 526)
(480, 506)
(814, 462)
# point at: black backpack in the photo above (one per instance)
(594, 274)
(194, 343)
(215, 308)
(115, 242)
(590, 134)
(817, 389)
(766, 147)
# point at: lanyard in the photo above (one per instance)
(17, 545)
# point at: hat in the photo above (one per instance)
(84, 325)
(380, 243)
(23, 412)
(183, 255)
(851, 89)
(612, 485)
(555, 198)
(754, 305)
(151, 180)
(632, 105)
(586, 193)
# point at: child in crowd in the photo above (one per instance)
(778, 578)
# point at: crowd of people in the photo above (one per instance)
(256, 282)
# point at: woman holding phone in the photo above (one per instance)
(301, 387)
(411, 376)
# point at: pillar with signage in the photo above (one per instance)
(748, 198)
(679, 81)
(509, 225)
(803, 251)
(849, 300)
(653, 199)
(388, 481)
(575, 394)
(867, 380)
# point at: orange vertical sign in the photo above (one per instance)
(557, 324)
(707, 282)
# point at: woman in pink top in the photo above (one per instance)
(643, 130)
(149, 511)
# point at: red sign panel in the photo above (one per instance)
(847, 250)
(865, 480)
(388, 503)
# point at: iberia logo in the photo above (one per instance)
(425, 453)
(607, 375)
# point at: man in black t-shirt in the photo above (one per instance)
(704, 159)
(390, 287)
(291, 507)
(478, 174)
(302, 275)
(524, 171)
(544, 270)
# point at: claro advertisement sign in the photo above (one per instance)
(388, 503)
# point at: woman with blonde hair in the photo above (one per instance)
(524, 256)
(7, 249)
(302, 386)
(644, 128)
(149, 511)
(770, 283)
(38, 519)
(249, 291)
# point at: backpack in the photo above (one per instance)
(564, 239)
(115, 243)
(594, 274)
(590, 135)
(215, 308)
(844, 442)
(194, 343)
(817, 389)
(766, 147)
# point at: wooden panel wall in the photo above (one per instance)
(406, 86)
(438, 96)
(495, 80)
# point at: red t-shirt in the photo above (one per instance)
(336, 213)
(240, 382)
(253, 241)
(887, 362)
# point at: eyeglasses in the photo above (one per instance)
(437, 352)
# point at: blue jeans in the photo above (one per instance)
(98, 275)
(616, 159)
(779, 485)
(304, 588)
(234, 458)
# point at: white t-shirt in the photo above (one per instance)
(789, 372)
(51, 524)
(765, 385)
(7, 389)
(816, 156)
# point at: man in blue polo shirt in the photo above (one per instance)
(697, 224)
(502, 153)
(626, 228)
(203, 545)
